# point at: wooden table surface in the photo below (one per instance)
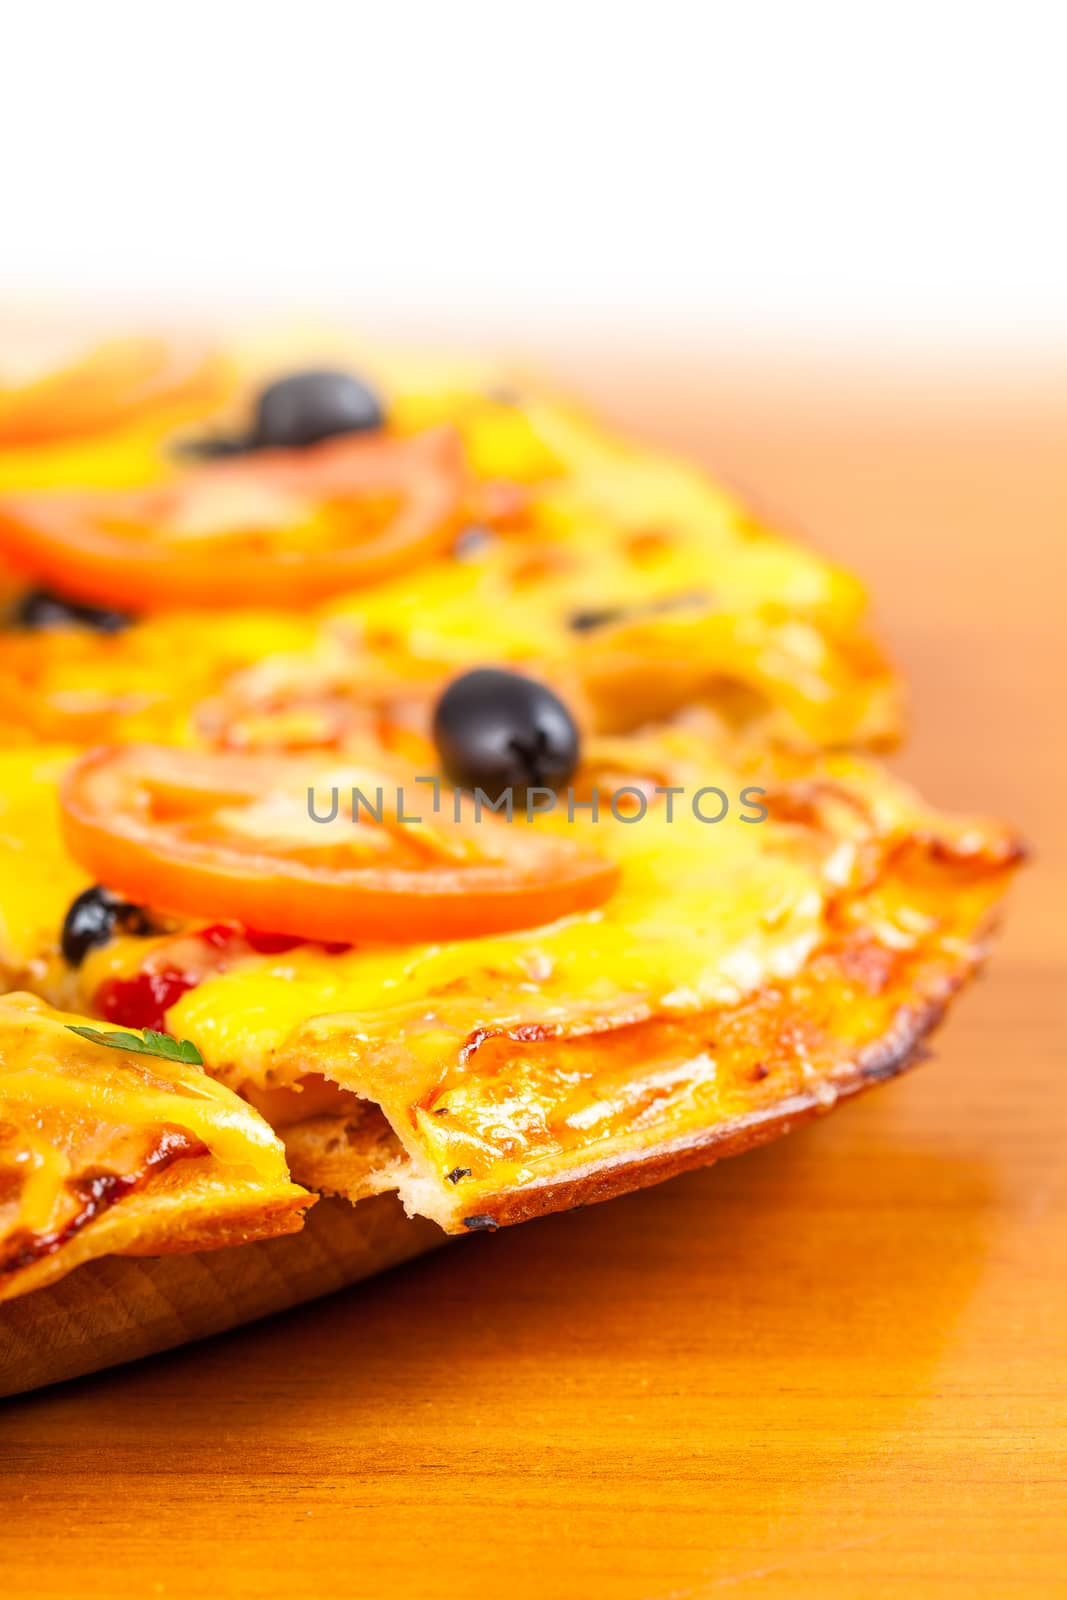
(832, 1368)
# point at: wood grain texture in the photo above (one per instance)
(120, 1308)
(832, 1368)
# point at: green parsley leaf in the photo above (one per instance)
(153, 1044)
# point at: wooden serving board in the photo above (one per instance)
(123, 1307)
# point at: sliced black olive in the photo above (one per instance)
(586, 621)
(215, 446)
(471, 542)
(38, 608)
(607, 616)
(307, 407)
(95, 917)
(499, 731)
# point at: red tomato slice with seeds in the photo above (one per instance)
(274, 528)
(232, 836)
(104, 387)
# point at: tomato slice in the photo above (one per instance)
(281, 527)
(105, 386)
(231, 836)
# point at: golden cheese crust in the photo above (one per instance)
(791, 1053)
(104, 1152)
(531, 1117)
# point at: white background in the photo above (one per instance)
(893, 173)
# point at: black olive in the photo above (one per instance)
(95, 917)
(38, 608)
(309, 406)
(606, 616)
(497, 730)
(214, 446)
(472, 542)
(586, 621)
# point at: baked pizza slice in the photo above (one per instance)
(114, 1144)
(395, 530)
(680, 949)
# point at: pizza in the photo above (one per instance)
(485, 803)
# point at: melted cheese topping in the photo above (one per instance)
(698, 587)
(72, 685)
(38, 879)
(704, 913)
